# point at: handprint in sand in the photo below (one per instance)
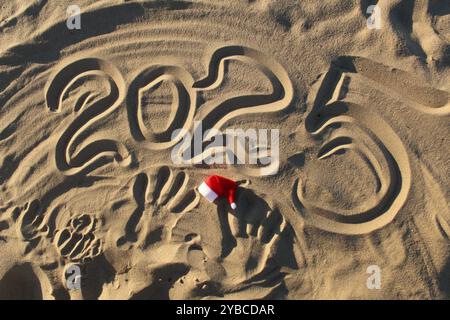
(247, 262)
(160, 198)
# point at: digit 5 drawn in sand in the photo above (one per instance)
(365, 132)
(90, 109)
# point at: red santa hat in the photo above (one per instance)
(217, 186)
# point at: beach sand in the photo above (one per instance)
(355, 205)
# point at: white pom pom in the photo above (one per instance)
(233, 206)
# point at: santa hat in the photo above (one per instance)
(217, 186)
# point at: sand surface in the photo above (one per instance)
(88, 184)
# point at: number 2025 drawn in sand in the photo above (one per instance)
(362, 130)
(186, 116)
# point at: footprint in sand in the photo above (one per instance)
(77, 242)
(24, 281)
(30, 224)
(4, 225)
(424, 24)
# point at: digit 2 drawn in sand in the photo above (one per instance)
(214, 116)
(90, 109)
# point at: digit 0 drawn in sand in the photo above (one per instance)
(90, 109)
(366, 133)
(183, 106)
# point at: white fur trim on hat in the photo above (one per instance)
(207, 192)
(233, 206)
